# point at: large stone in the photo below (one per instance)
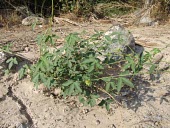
(119, 41)
(122, 40)
(33, 19)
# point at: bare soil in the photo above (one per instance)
(22, 106)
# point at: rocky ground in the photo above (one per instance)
(21, 106)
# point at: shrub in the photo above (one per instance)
(77, 69)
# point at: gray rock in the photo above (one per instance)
(98, 122)
(33, 19)
(145, 20)
(23, 125)
(148, 21)
(2, 57)
(122, 40)
(119, 41)
(139, 49)
(157, 58)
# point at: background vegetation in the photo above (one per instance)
(81, 7)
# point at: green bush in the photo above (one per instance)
(77, 69)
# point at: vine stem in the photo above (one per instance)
(52, 13)
(108, 95)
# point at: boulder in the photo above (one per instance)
(122, 40)
(119, 41)
(33, 19)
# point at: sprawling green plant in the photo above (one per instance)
(77, 69)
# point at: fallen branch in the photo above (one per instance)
(58, 20)
(147, 44)
(22, 57)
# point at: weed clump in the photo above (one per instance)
(76, 68)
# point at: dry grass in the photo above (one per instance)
(9, 17)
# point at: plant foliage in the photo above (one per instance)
(77, 69)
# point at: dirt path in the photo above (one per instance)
(21, 106)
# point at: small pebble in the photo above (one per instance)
(40, 26)
(85, 111)
(112, 126)
(57, 91)
(157, 58)
(51, 96)
(163, 66)
(22, 125)
(97, 122)
(27, 49)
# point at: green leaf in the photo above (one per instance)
(133, 67)
(152, 68)
(10, 65)
(69, 64)
(102, 103)
(127, 82)
(71, 89)
(129, 59)
(66, 93)
(77, 86)
(46, 63)
(41, 66)
(126, 66)
(146, 57)
(36, 78)
(92, 102)
(7, 47)
(108, 38)
(106, 79)
(21, 73)
(113, 85)
(105, 103)
(42, 77)
(81, 99)
(6, 72)
(72, 39)
(95, 96)
(107, 86)
(48, 82)
(155, 51)
(119, 84)
(91, 68)
(67, 83)
(47, 38)
(90, 60)
(9, 60)
(99, 66)
(107, 106)
(131, 62)
(52, 41)
(125, 73)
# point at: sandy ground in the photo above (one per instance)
(22, 106)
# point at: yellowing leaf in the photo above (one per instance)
(88, 82)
